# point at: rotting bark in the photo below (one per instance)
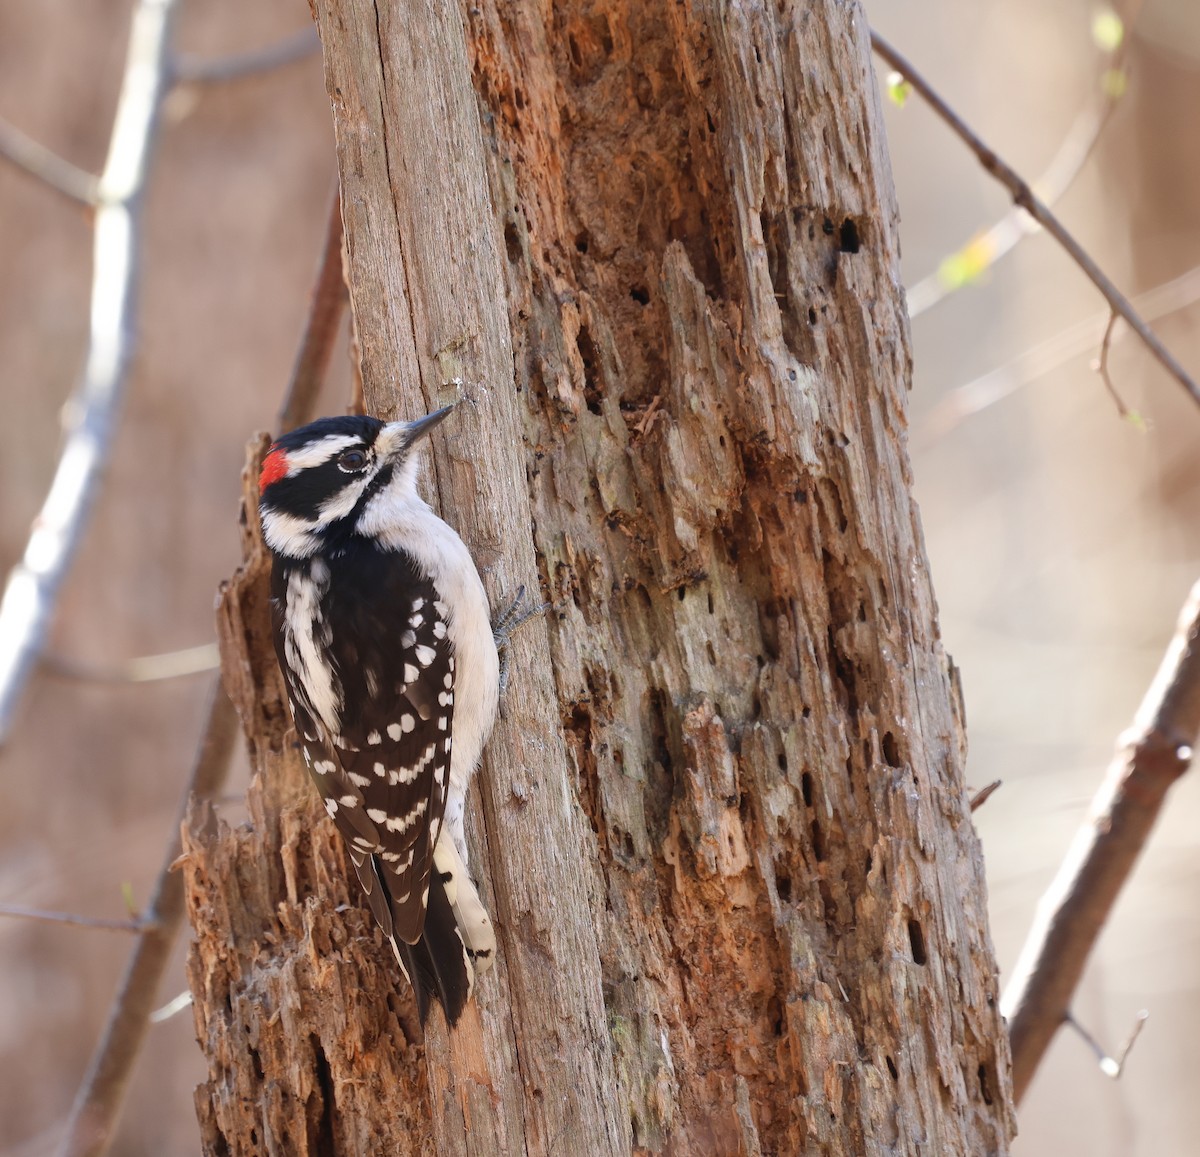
(722, 825)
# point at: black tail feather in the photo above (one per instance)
(437, 965)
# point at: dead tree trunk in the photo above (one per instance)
(722, 825)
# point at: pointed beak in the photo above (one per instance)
(404, 434)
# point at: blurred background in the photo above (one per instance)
(1063, 537)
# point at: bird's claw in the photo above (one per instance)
(507, 623)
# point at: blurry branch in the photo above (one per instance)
(48, 167)
(37, 914)
(143, 669)
(966, 265)
(1100, 365)
(1150, 757)
(1110, 1066)
(81, 186)
(34, 583)
(98, 1104)
(325, 308)
(984, 794)
(97, 1107)
(1023, 196)
(173, 1007)
(188, 69)
(996, 385)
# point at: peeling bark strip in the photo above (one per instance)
(724, 830)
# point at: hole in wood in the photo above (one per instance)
(916, 938)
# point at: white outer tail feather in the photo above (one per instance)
(474, 924)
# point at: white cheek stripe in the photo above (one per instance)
(342, 503)
(288, 535)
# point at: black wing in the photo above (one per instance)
(385, 772)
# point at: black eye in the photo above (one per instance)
(352, 460)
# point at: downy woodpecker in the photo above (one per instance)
(384, 638)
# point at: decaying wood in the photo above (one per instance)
(722, 827)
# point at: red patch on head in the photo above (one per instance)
(274, 467)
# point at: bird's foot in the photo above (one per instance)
(507, 623)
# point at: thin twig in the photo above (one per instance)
(34, 583)
(988, 389)
(290, 49)
(326, 305)
(173, 1007)
(97, 1107)
(143, 669)
(1110, 1066)
(984, 794)
(1150, 757)
(987, 248)
(1023, 196)
(38, 914)
(48, 167)
(1100, 365)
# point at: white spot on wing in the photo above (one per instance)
(425, 655)
(403, 823)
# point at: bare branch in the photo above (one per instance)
(1110, 1066)
(986, 390)
(1100, 365)
(48, 167)
(1023, 196)
(173, 1007)
(1150, 757)
(988, 247)
(97, 1107)
(143, 669)
(71, 918)
(984, 794)
(197, 70)
(33, 585)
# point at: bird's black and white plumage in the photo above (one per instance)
(384, 638)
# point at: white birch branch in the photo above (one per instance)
(33, 585)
